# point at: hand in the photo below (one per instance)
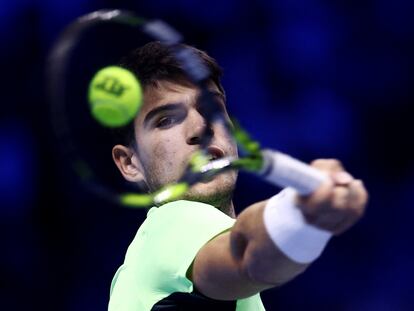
(337, 204)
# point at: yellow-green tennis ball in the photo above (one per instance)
(115, 96)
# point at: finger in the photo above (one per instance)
(335, 212)
(342, 178)
(330, 165)
(311, 205)
(330, 220)
(340, 198)
(355, 207)
(335, 170)
(358, 197)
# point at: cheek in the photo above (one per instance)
(163, 150)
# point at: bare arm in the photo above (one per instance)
(245, 261)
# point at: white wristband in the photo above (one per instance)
(290, 232)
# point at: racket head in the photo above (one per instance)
(84, 142)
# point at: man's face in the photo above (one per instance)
(168, 131)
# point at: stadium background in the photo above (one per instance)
(312, 78)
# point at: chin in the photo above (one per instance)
(217, 191)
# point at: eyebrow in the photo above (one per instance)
(221, 97)
(159, 109)
(173, 106)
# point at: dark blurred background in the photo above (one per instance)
(314, 78)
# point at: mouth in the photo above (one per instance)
(217, 161)
(215, 153)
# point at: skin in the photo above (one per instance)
(242, 261)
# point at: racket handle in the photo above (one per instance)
(284, 171)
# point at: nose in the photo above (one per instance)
(198, 129)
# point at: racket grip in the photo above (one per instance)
(282, 170)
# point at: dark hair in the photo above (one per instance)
(154, 62)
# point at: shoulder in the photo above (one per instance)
(183, 211)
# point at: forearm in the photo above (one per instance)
(257, 254)
(244, 261)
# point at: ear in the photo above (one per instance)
(128, 163)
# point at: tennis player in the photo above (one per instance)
(196, 253)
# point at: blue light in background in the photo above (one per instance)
(10, 24)
(9, 10)
(304, 36)
(247, 95)
(17, 167)
(373, 73)
(212, 13)
(292, 9)
(325, 122)
(396, 17)
(304, 48)
(56, 15)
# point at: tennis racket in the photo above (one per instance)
(275, 167)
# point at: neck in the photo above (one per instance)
(227, 208)
(223, 204)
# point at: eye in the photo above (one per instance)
(165, 121)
